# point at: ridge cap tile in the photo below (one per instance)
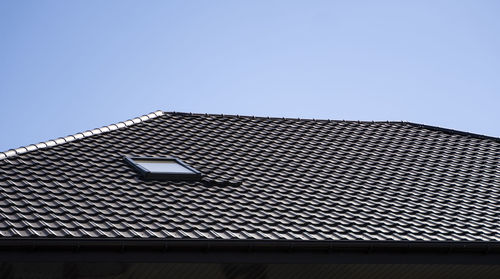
(69, 138)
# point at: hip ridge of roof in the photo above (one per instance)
(88, 133)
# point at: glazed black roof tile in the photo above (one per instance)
(263, 179)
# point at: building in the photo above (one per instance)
(184, 195)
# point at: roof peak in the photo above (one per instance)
(88, 133)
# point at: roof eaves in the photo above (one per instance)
(299, 251)
(104, 129)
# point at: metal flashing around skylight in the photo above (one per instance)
(163, 168)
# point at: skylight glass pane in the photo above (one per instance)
(162, 166)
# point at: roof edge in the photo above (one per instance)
(238, 243)
(278, 118)
(23, 149)
(424, 126)
(278, 251)
(453, 131)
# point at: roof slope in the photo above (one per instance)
(264, 179)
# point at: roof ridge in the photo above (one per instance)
(424, 126)
(111, 127)
(280, 118)
(88, 133)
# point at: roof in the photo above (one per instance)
(273, 179)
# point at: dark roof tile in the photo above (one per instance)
(263, 178)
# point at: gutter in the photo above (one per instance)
(250, 251)
(216, 244)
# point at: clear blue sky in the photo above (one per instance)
(69, 66)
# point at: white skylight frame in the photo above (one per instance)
(148, 174)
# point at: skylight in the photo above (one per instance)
(163, 168)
